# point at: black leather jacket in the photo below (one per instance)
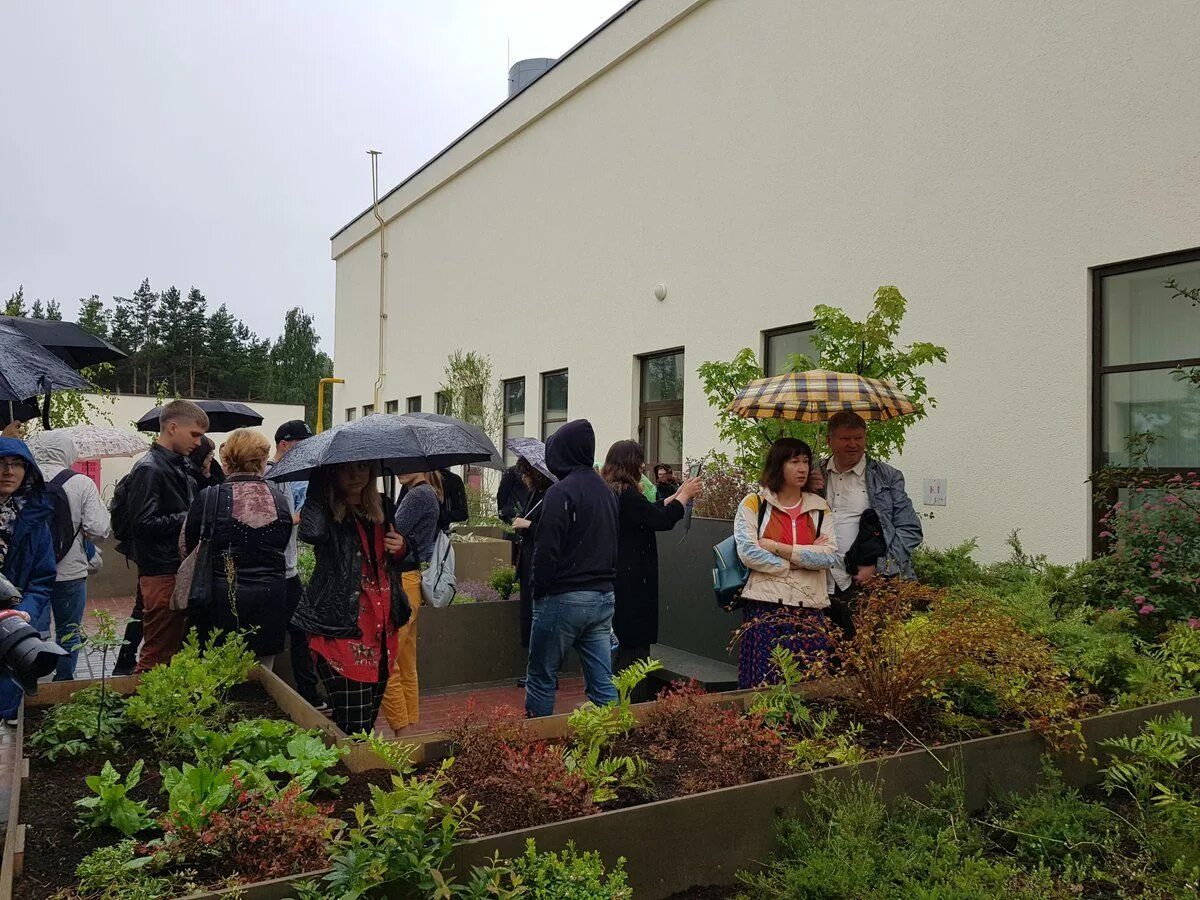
(331, 600)
(160, 493)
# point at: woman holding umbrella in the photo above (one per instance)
(355, 604)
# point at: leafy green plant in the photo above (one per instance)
(949, 567)
(90, 720)
(191, 690)
(269, 747)
(111, 806)
(116, 872)
(401, 845)
(306, 562)
(195, 793)
(1148, 766)
(504, 581)
(592, 729)
(842, 345)
(1170, 669)
(548, 876)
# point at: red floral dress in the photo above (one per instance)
(364, 658)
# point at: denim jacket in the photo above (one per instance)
(901, 524)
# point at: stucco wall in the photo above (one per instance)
(763, 157)
(125, 409)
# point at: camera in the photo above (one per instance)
(23, 652)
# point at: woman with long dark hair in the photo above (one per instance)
(355, 603)
(636, 617)
(536, 483)
(785, 537)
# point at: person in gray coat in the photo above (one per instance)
(852, 482)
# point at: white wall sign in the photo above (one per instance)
(935, 491)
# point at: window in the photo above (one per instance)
(413, 404)
(392, 407)
(661, 410)
(351, 413)
(554, 402)
(514, 415)
(1140, 335)
(442, 403)
(368, 409)
(780, 344)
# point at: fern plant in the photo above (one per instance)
(1151, 763)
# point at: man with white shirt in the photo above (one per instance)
(852, 483)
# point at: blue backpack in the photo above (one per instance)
(729, 572)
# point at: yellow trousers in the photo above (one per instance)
(402, 694)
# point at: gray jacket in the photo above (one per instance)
(900, 522)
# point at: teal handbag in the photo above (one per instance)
(729, 572)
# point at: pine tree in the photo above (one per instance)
(193, 315)
(16, 303)
(53, 311)
(170, 343)
(297, 362)
(37, 311)
(93, 316)
(145, 305)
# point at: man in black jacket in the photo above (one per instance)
(574, 567)
(160, 492)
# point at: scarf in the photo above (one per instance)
(10, 511)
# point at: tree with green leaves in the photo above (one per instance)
(93, 316)
(298, 363)
(471, 396)
(842, 345)
(16, 303)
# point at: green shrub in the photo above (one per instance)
(116, 872)
(191, 690)
(949, 567)
(1170, 669)
(80, 724)
(569, 875)
(306, 562)
(504, 581)
(258, 748)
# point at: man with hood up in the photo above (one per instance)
(26, 545)
(55, 454)
(574, 568)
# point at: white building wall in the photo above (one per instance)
(763, 157)
(125, 409)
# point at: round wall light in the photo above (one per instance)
(660, 291)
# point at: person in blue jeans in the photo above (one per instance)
(55, 454)
(574, 569)
(26, 545)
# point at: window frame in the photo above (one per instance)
(441, 403)
(392, 407)
(658, 409)
(567, 414)
(351, 413)
(410, 407)
(368, 410)
(1099, 370)
(510, 458)
(769, 333)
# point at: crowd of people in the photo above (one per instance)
(216, 549)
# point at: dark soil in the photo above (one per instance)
(52, 848)
(708, 892)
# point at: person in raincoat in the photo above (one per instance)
(55, 453)
(26, 545)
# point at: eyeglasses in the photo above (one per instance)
(7, 465)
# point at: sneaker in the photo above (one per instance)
(118, 671)
(323, 708)
(12, 723)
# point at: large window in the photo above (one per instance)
(351, 413)
(392, 407)
(554, 402)
(661, 410)
(514, 415)
(413, 404)
(781, 344)
(1141, 335)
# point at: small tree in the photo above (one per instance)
(842, 345)
(472, 396)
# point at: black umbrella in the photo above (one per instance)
(496, 461)
(70, 342)
(398, 444)
(223, 415)
(28, 369)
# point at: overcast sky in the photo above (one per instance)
(220, 143)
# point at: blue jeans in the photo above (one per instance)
(579, 619)
(67, 601)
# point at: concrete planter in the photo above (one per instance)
(477, 560)
(469, 643)
(706, 838)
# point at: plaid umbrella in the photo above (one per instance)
(814, 396)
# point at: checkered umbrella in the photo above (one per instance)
(814, 396)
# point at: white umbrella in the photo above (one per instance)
(102, 441)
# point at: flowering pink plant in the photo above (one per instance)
(1155, 537)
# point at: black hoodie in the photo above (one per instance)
(576, 546)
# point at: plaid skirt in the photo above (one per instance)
(796, 628)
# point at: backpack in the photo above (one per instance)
(438, 584)
(121, 511)
(454, 503)
(730, 573)
(62, 526)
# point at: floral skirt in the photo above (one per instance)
(770, 625)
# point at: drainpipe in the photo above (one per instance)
(321, 400)
(383, 255)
